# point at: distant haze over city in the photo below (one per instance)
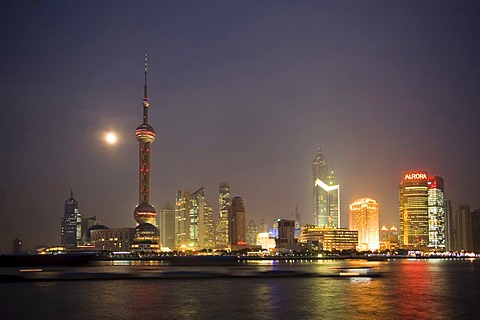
(240, 91)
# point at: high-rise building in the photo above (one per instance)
(146, 236)
(200, 221)
(71, 230)
(421, 211)
(463, 225)
(224, 203)
(450, 239)
(206, 237)
(237, 223)
(263, 226)
(363, 217)
(252, 232)
(86, 224)
(388, 238)
(326, 194)
(182, 218)
(167, 226)
(476, 230)
(393, 237)
(436, 213)
(286, 233)
(194, 216)
(384, 234)
(467, 228)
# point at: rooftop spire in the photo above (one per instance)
(71, 193)
(145, 86)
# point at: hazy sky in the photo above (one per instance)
(240, 91)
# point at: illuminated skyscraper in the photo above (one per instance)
(223, 205)
(146, 236)
(182, 218)
(363, 217)
(237, 223)
(167, 226)
(71, 231)
(206, 232)
(200, 221)
(326, 194)
(421, 208)
(436, 213)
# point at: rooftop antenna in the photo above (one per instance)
(145, 86)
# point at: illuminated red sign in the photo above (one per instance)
(415, 176)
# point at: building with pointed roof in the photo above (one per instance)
(326, 193)
(71, 228)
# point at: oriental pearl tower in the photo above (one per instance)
(146, 237)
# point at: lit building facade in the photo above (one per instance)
(329, 238)
(71, 229)
(421, 211)
(388, 238)
(237, 223)
(326, 194)
(266, 240)
(206, 229)
(286, 233)
(224, 202)
(146, 235)
(436, 213)
(167, 226)
(114, 239)
(182, 218)
(201, 230)
(363, 217)
(194, 216)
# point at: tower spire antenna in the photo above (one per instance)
(145, 86)
(71, 193)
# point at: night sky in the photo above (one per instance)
(240, 91)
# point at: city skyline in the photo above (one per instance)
(245, 93)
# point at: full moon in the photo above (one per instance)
(111, 138)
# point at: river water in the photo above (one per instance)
(407, 289)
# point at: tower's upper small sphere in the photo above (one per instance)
(145, 133)
(146, 103)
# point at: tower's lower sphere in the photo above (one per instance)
(146, 238)
(145, 213)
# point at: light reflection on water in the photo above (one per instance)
(416, 289)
